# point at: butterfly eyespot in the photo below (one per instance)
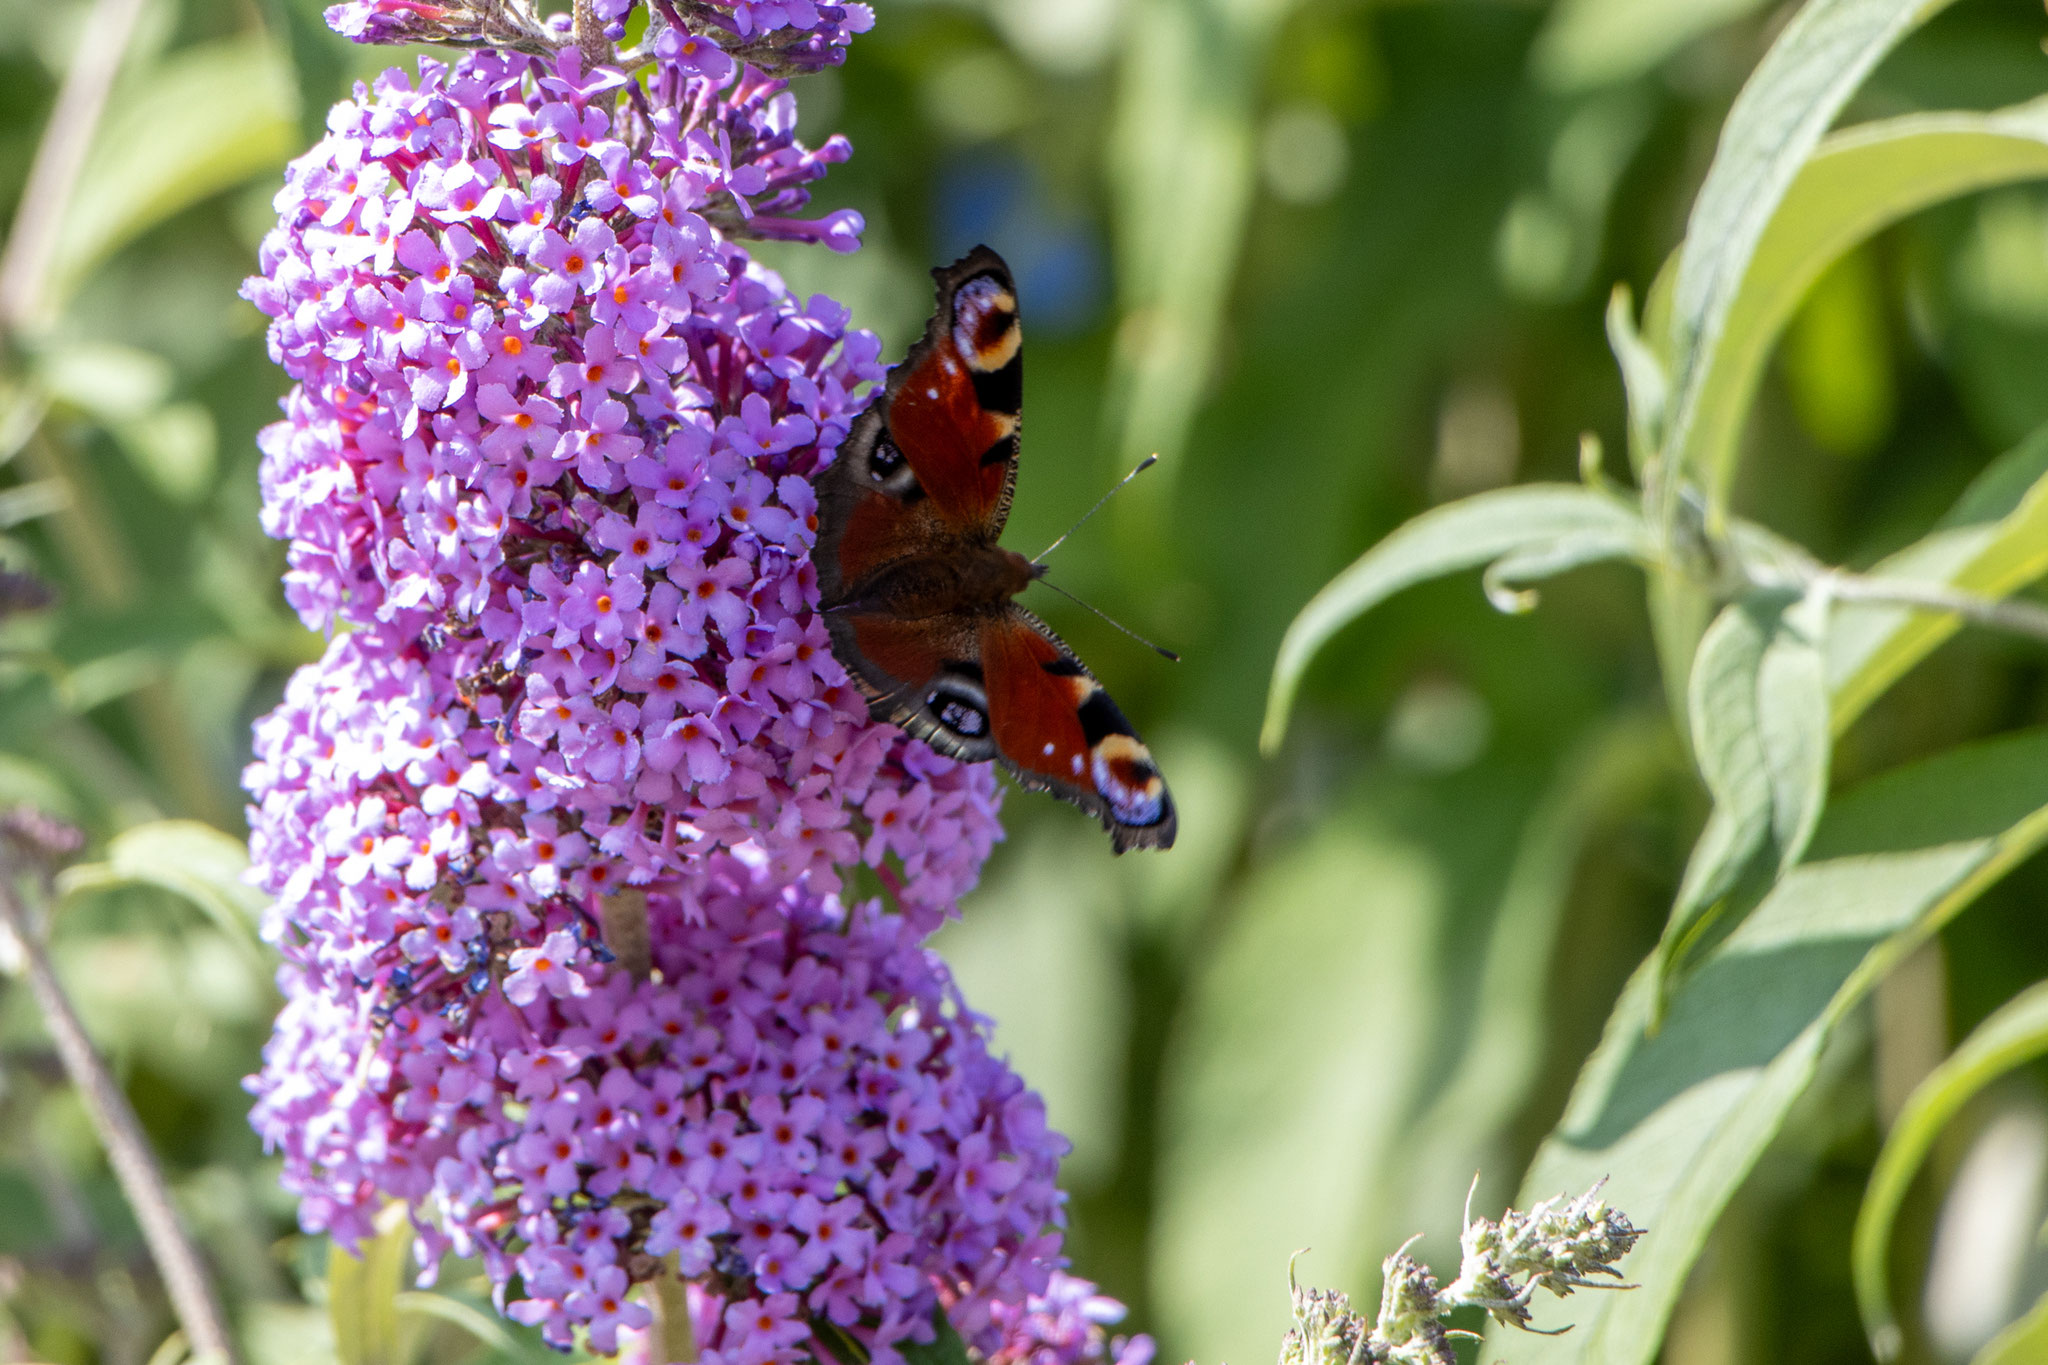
(885, 460)
(962, 718)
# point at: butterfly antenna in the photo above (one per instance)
(1143, 465)
(1161, 651)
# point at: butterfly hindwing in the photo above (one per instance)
(924, 675)
(1057, 730)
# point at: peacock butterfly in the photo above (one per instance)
(918, 596)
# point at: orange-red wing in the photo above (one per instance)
(932, 462)
(952, 406)
(1058, 731)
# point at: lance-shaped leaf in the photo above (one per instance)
(1759, 711)
(208, 118)
(188, 859)
(2015, 1034)
(1545, 528)
(1676, 1117)
(1858, 182)
(1796, 91)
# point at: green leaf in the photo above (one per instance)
(1792, 716)
(112, 382)
(362, 1292)
(1587, 43)
(1759, 710)
(1545, 527)
(486, 1328)
(189, 859)
(1676, 1118)
(207, 119)
(1993, 542)
(1796, 91)
(1643, 377)
(1183, 146)
(1467, 1125)
(2015, 1034)
(2023, 1343)
(1858, 182)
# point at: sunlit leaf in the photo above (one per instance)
(171, 1350)
(207, 119)
(2016, 1033)
(190, 859)
(1676, 1117)
(1993, 542)
(1586, 43)
(1759, 710)
(1643, 377)
(1816, 63)
(1858, 182)
(26, 502)
(1792, 716)
(362, 1292)
(112, 382)
(487, 1328)
(2023, 1343)
(1525, 521)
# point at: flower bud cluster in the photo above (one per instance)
(1559, 1245)
(778, 37)
(547, 462)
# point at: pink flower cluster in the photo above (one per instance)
(795, 1106)
(1066, 1324)
(601, 899)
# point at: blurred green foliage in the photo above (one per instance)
(1338, 262)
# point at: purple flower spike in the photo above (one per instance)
(546, 464)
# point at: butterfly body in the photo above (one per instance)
(919, 597)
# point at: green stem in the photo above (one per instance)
(192, 1294)
(2020, 618)
(672, 1341)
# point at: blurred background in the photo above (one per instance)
(1335, 261)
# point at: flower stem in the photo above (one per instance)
(590, 39)
(191, 1289)
(670, 1338)
(624, 921)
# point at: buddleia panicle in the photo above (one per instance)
(602, 902)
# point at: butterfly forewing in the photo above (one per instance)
(960, 393)
(903, 484)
